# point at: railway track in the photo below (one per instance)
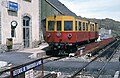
(112, 51)
(51, 58)
(107, 53)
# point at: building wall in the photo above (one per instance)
(46, 10)
(30, 9)
(104, 33)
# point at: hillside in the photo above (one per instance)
(108, 24)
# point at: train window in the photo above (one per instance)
(96, 27)
(80, 26)
(86, 26)
(83, 26)
(68, 25)
(58, 25)
(92, 27)
(50, 25)
(76, 25)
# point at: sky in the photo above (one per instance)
(99, 9)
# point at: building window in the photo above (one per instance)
(68, 25)
(26, 21)
(27, 0)
(51, 25)
(58, 25)
(26, 31)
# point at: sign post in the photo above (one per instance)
(42, 69)
(10, 70)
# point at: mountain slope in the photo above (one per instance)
(107, 24)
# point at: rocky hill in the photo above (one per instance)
(107, 23)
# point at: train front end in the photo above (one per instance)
(59, 33)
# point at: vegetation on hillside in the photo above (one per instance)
(107, 24)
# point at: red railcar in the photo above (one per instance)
(66, 32)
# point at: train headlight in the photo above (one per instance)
(58, 34)
(69, 35)
(48, 35)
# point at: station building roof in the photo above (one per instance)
(61, 7)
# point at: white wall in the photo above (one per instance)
(25, 8)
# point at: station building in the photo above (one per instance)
(20, 24)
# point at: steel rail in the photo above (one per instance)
(108, 60)
(76, 73)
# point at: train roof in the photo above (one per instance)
(77, 19)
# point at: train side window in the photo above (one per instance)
(51, 25)
(83, 26)
(80, 26)
(86, 26)
(76, 25)
(59, 25)
(68, 25)
(92, 27)
(96, 27)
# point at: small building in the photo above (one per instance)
(105, 33)
(20, 23)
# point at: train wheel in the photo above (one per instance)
(71, 49)
(88, 41)
(62, 52)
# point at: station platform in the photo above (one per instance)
(36, 52)
(24, 56)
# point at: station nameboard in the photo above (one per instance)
(26, 67)
(12, 6)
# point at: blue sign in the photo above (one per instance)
(12, 6)
(26, 68)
